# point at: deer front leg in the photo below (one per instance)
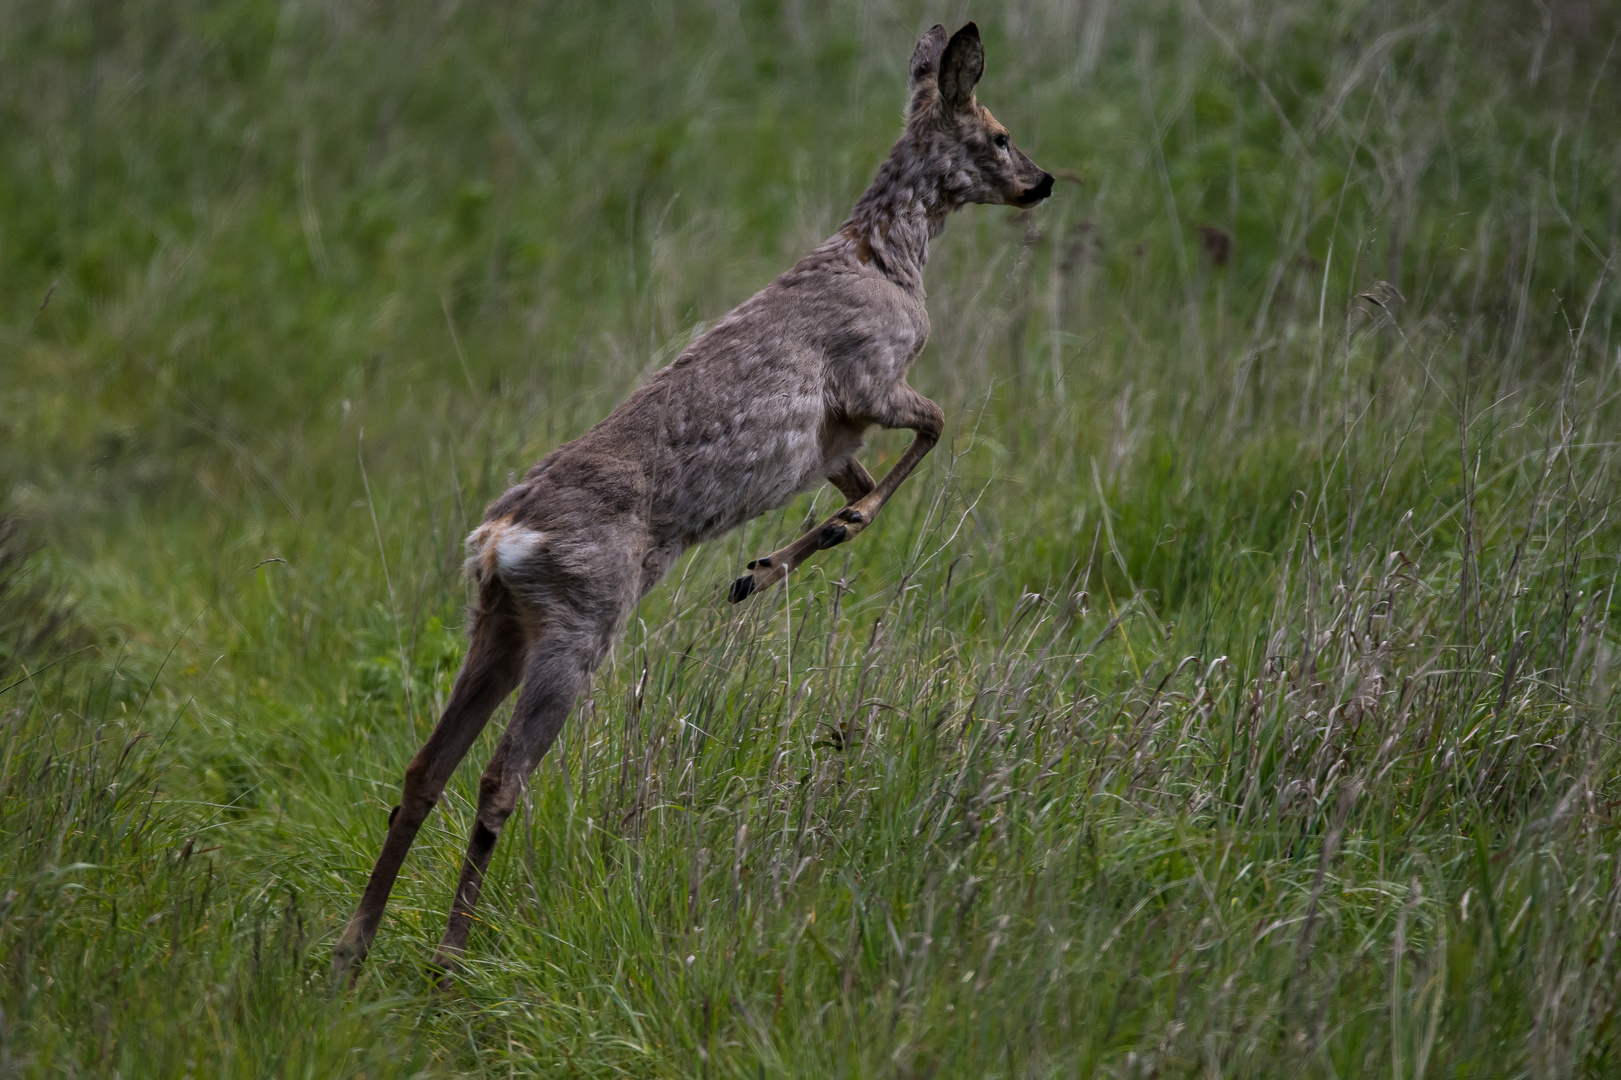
(853, 482)
(906, 409)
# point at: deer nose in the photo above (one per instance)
(1041, 190)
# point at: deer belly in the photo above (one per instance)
(792, 462)
(718, 486)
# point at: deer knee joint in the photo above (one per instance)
(483, 839)
(497, 799)
(932, 423)
(417, 796)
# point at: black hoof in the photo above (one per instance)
(440, 974)
(346, 961)
(741, 589)
(830, 535)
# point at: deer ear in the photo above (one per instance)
(925, 66)
(961, 65)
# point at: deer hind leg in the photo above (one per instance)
(906, 408)
(559, 666)
(488, 674)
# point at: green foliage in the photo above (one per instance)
(1234, 690)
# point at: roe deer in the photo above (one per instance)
(770, 402)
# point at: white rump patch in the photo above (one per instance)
(500, 548)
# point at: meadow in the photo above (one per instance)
(1235, 691)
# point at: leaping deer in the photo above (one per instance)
(771, 401)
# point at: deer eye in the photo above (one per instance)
(1001, 141)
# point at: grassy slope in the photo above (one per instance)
(1232, 692)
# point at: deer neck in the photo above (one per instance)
(892, 223)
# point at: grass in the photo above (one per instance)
(1233, 692)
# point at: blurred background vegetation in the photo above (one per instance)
(1232, 692)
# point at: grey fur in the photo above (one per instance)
(770, 402)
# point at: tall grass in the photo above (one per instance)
(1233, 691)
